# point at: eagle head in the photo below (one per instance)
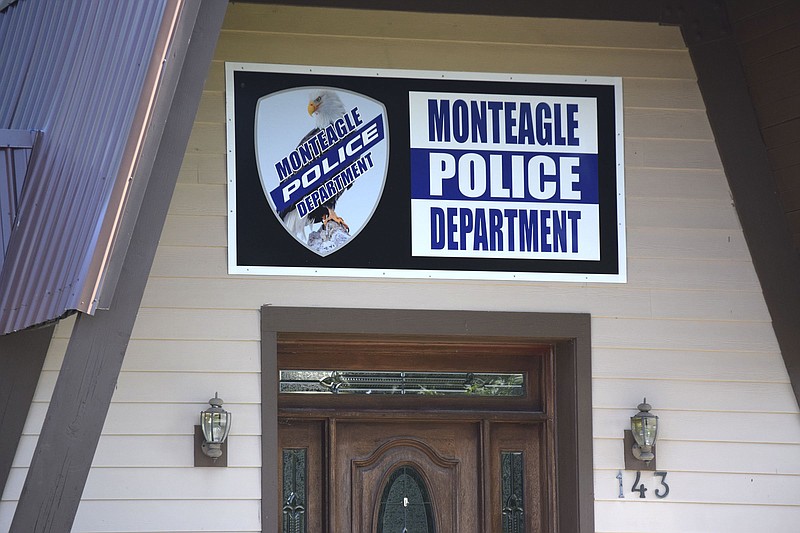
(325, 106)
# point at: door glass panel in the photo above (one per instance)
(405, 506)
(399, 382)
(513, 496)
(294, 490)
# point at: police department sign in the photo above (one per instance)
(355, 172)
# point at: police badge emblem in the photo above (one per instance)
(322, 157)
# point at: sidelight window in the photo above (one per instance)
(294, 490)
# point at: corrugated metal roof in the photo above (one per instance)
(15, 152)
(74, 70)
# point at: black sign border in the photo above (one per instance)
(383, 247)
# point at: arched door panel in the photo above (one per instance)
(443, 456)
(373, 481)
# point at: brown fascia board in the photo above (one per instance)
(722, 82)
(22, 357)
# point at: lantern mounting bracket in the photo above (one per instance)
(631, 461)
(200, 458)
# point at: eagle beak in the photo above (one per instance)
(312, 108)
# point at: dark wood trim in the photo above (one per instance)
(722, 82)
(313, 352)
(88, 376)
(569, 333)
(22, 356)
(270, 460)
(419, 415)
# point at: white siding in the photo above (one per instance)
(690, 329)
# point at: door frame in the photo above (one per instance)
(569, 333)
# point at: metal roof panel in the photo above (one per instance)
(77, 73)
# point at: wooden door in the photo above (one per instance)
(370, 464)
(466, 474)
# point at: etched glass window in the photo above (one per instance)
(405, 505)
(513, 492)
(294, 490)
(399, 383)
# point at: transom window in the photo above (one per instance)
(402, 382)
(396, 372)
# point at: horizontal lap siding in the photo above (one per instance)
(689, 330)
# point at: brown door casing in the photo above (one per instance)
(568, 463)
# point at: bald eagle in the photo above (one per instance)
(325, 107)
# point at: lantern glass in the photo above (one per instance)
(644, 425)
(215, 422)
(645, 429)
(215, 425)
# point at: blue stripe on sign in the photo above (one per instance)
(504, 176)
(300, 184)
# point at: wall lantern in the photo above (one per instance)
(640, 440)
(215, 423)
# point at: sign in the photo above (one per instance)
(366, 173)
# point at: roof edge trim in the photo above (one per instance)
(132, 177)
